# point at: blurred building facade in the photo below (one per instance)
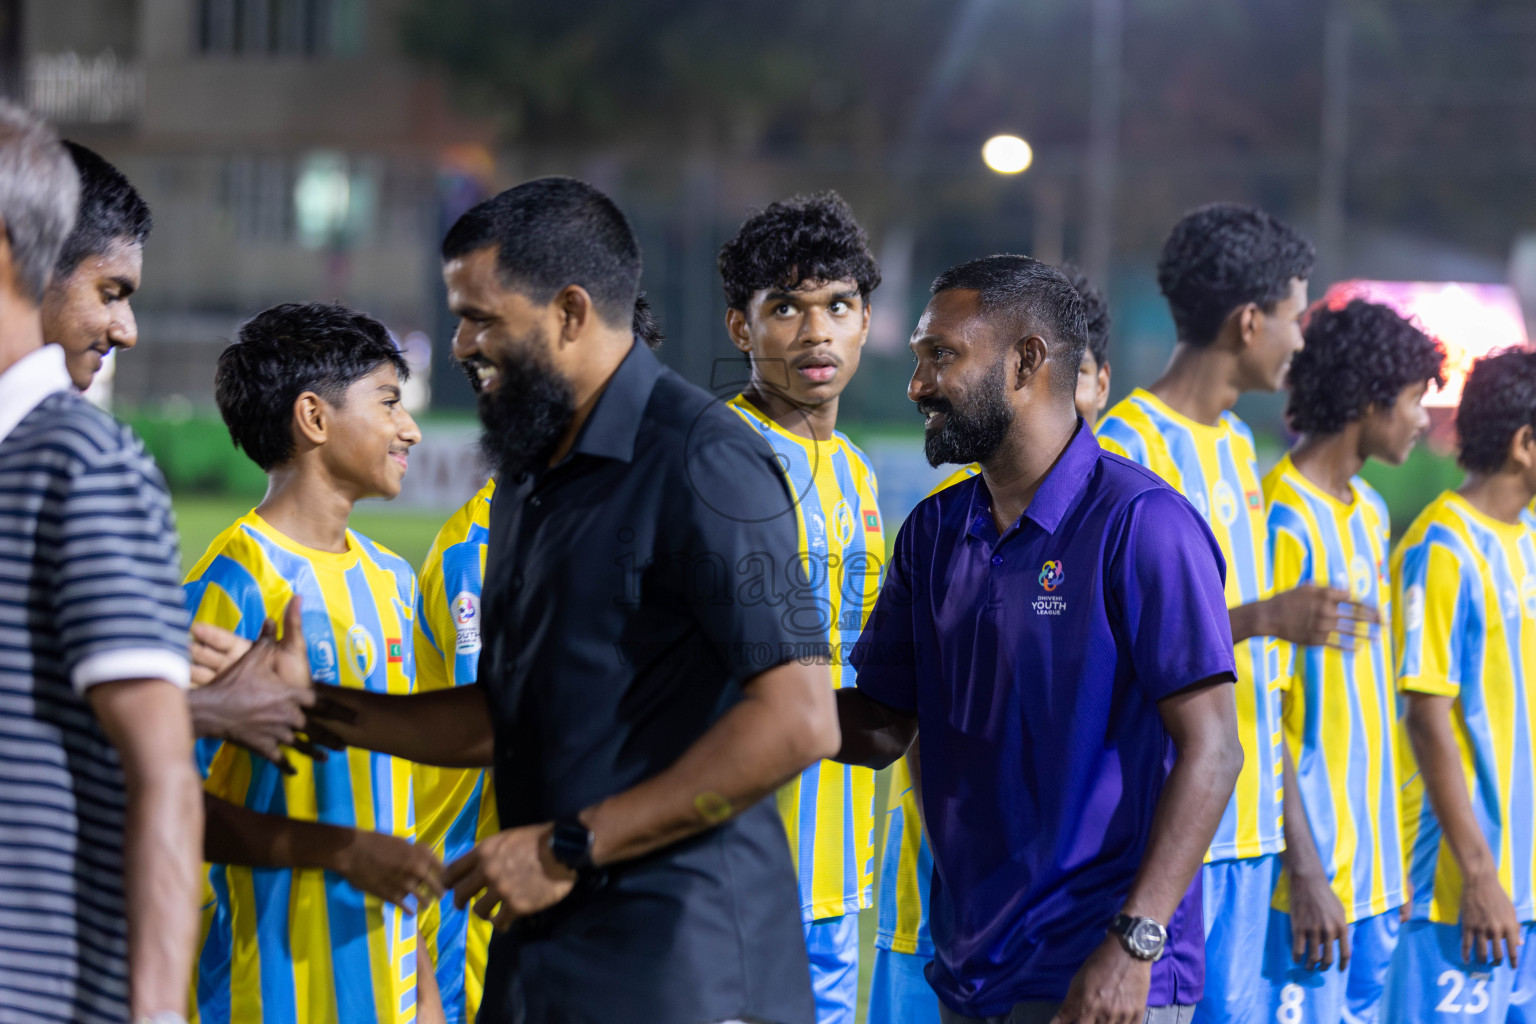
(288, 151)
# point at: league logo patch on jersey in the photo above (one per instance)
(1528, 596)
(360, 650)
(844, 516)
(1225, 502)
(1360, 578)
(466, 623)
(1413, 607)
(1052, 574)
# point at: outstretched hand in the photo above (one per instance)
(255, 694)
(517, 869)
(391, 868)
(1316, 616)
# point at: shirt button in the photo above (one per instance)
(997, 559)
(534, 501)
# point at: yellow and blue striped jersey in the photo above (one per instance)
(1340, 707)
(1216, 468)
(829, 811)
(455, 808)
(906, 865)
(1464, 620)
(906, 868)
(301, 946)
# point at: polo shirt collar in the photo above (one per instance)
(610, 431)
(1064, 484)
(1057, 494)
(28, 381)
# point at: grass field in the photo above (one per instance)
(406, 532)
(409, 534)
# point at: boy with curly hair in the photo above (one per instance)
(1236, 283)
(797, 277)
(1357, 391)
(1464, 624)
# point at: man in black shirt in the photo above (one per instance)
(642, 682)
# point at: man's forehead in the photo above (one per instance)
(955, 312)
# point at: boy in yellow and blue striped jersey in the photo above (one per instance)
(1357, 392)
(797, 280)
(312, 394)
(455, 808)
(1464, 622)
(1235, 281)
(898, 991)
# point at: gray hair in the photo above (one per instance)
(39, 197)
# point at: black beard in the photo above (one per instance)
(525, 417)
(972, 433)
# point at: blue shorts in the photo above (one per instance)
(1430, 982)
(833, 946)
(1236, 902)
(1300, 994)
(899, 993)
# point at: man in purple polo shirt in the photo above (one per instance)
(1054, 632)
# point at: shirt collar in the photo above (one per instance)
(610, 431)
(29, 380)
(1065, 483)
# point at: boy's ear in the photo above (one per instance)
(739, 330)
(311, 420)
(1522, 447)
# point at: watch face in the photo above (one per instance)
(1148, 937)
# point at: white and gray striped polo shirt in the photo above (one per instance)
(88, 595)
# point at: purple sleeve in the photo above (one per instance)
(1166, 580)
(885, 657)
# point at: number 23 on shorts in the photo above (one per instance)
(1463, 993)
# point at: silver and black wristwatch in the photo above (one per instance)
(1142, 937)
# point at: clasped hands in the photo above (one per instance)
(261, 696)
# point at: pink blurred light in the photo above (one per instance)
(1470, 320)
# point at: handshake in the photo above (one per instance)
(260, 695)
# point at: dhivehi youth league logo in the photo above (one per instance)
(360, 650)
(466, 623)
(1051, 575)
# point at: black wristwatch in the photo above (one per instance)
(1142, 937)
(571, 843)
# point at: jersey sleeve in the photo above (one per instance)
(1165, 580)
(1290, 553)
(1432, 617)
(1117, 436)
(885, 656)
(225, 592)
(112, 563)
(432, 622)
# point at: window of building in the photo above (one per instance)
(298, 28)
